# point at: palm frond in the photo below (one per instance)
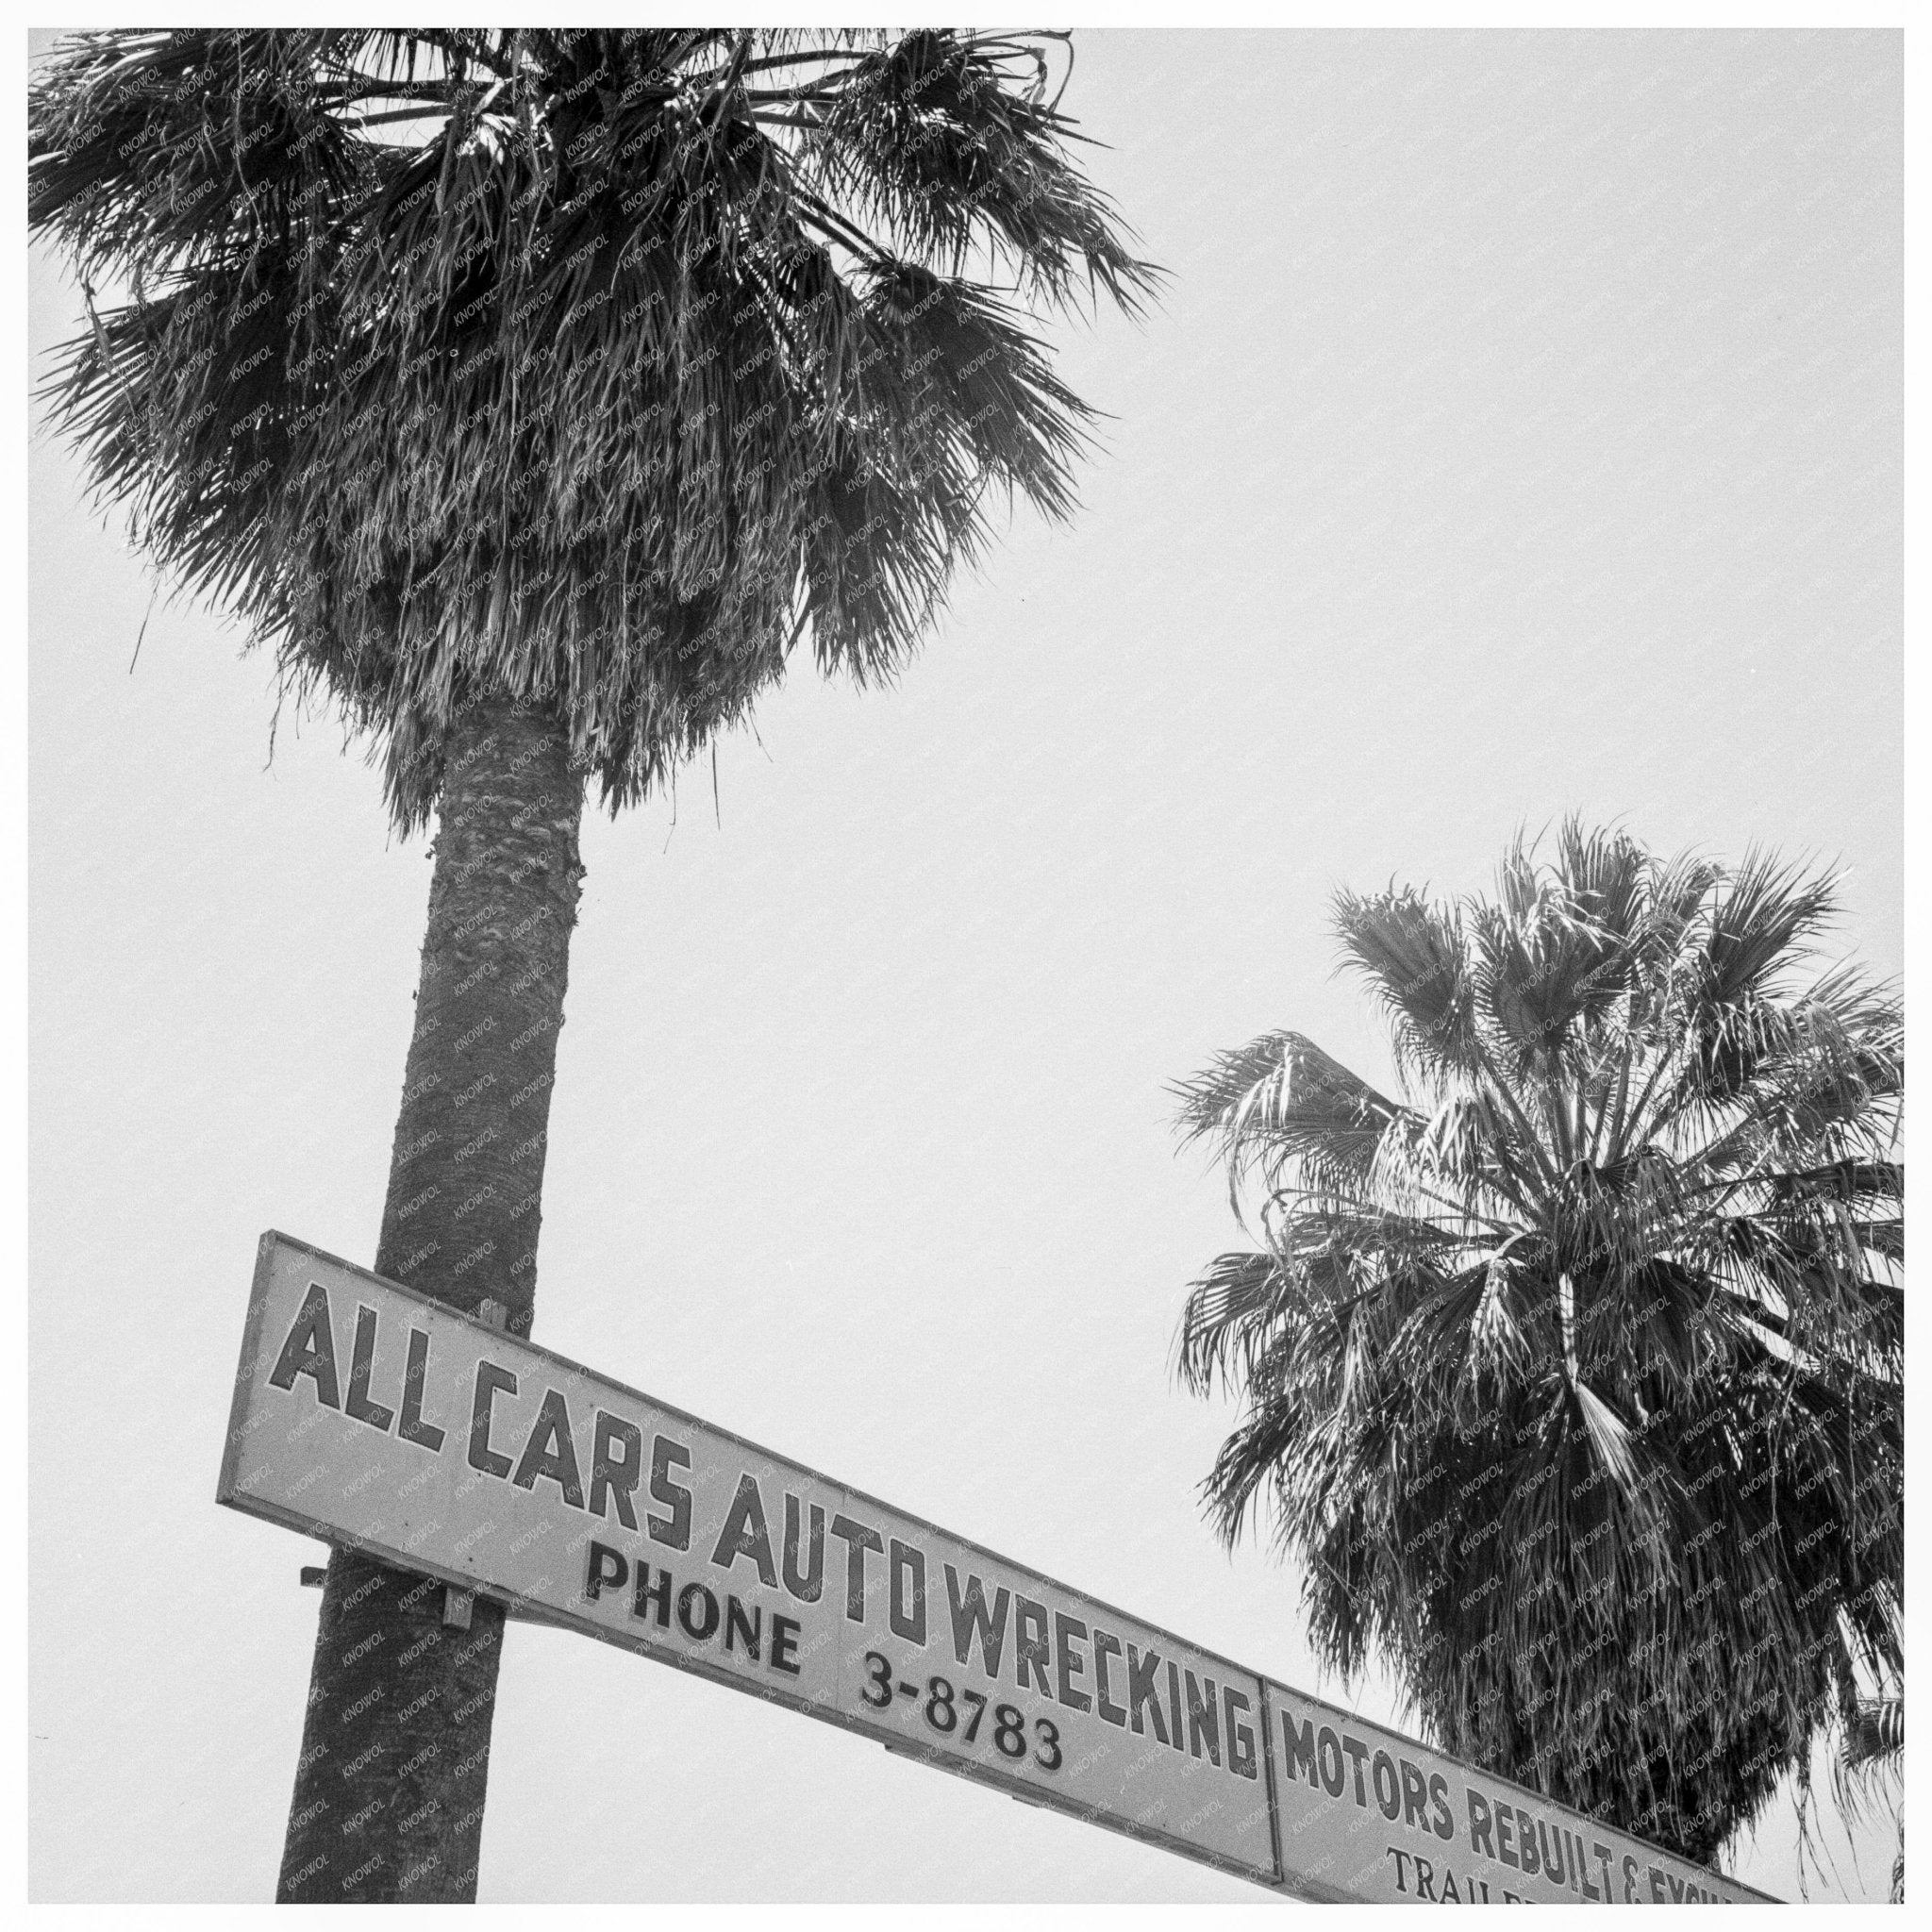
(596, 367)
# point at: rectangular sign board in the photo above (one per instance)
(1365, 1813)
(370, 1416)
(376, 1419)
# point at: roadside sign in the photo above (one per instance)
(1367, 1813)
(370, 1416)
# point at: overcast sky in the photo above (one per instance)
(1519, 433)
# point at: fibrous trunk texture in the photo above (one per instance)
(395, 1746)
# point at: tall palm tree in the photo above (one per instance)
(535, 392)
(1571, 1371)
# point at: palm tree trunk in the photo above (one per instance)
(395, 1747)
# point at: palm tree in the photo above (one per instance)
(536, 392)
(1573, 1371)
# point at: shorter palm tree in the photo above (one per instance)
(1573, 1373)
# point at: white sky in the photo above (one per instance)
(1520, 432)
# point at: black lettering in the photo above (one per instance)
(1415, 1796)
(1106, 1644)
(1142, 1694)
(1444, 1821)
(1240, 1736)
(309, 1350)
(744, 1533)
(1526, 1844)
(1329, 1745)
(1204, 1720)
(738, 1627)
(1357, 1751)
(1401, 1867)
(784, 1644)
(606, 1566)
(703, 1622)
(971, 1616)
(906, 1594)
(1029, 1644)
(361, 1364)
(1555, 1868)
(491, 1382)
(1479, 1823)
(1301, 1746)
(612, 1475)
(1067, 1631)
(674, 1529)
(657, 1595)
(1601, 1853)
(858, 1540)
(550, 1451)
(412, 1429)
(1390, 1801)
(809, 1584)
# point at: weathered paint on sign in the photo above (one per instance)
(1366, 1813)
(370, 1416)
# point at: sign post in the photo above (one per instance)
(370, 1416)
